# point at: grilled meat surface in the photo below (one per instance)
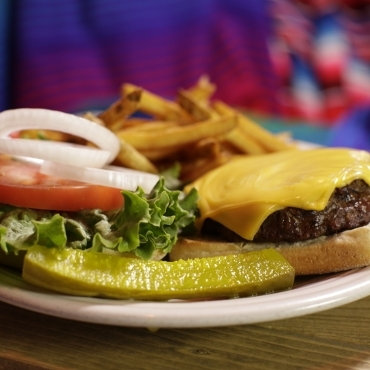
(348, 208)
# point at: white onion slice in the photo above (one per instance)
(55, 151)
(117, 177)
(35, 118)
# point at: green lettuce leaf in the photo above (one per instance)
(51, 232)
(22, 228)
(16, 229)
(148, 224)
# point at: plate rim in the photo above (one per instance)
(319, 294)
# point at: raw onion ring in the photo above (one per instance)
(112, 176)
(34, 118)
(55, 151)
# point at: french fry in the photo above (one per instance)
(115, 116)
(129, 157)
(197, 109)
(202, 90)
(263, 137)
(151, 125)
(194, 131)
(134, 122)
(178, 135)
(243, 142)
(155, 105)
(192, 169)
(94, 118)
(44, 135)
(206, 148)
(159, 154)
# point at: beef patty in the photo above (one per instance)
(348, 208)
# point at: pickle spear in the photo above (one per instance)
(78, 272)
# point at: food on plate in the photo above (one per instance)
(262, 138)
(119, 111)
(78, 206)
(55, 212)
(313, 206)
(159, 132)
(76, 272)
(85, 239)
(93, 189)
(177, 135)
(16, 123)
(23, 185)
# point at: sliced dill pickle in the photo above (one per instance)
(95, 274)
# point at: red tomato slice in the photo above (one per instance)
(22, 185)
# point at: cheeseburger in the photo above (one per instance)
(312, 205)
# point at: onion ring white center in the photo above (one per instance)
(117, 177)
(33, 118)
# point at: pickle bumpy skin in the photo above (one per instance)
(84, 273)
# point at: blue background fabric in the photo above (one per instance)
(73, 55)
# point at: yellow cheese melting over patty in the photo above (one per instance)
(244, 192)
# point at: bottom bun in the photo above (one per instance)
(347, 250)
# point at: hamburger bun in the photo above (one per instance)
(312, 205)
(346, 250)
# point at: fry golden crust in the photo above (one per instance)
(339, 252)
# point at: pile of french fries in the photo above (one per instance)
(192, 130)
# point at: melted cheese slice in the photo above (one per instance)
(244, 192)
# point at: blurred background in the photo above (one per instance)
(297, 65)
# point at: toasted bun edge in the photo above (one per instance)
(339, 252)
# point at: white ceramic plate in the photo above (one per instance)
(309, 296)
